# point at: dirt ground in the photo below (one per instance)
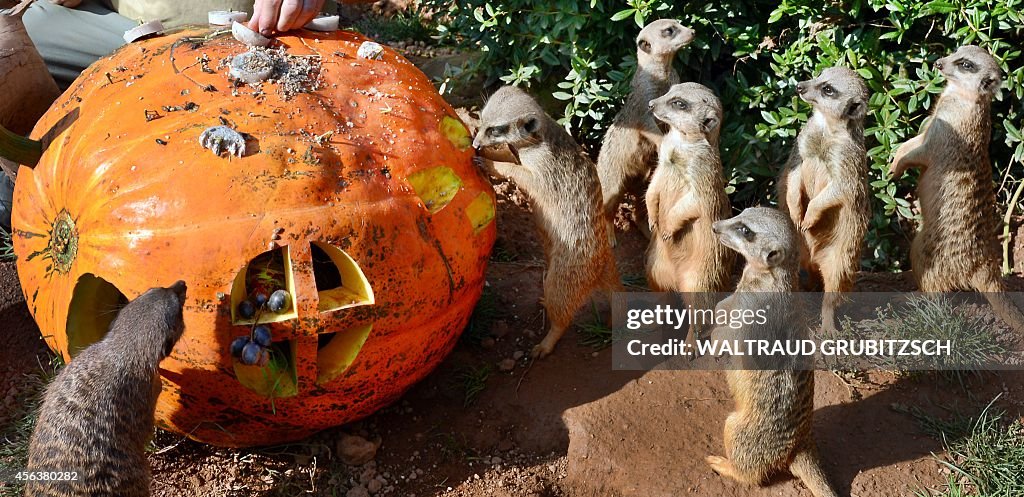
(511, 440)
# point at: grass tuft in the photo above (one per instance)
(18, 430)
(932, 317)
(473, 381)
(6, 246)
(984, 455)
(482, 319)
(596, 334)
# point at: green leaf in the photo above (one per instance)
(622, 14)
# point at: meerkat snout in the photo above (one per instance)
(801, 88)
(180, 288)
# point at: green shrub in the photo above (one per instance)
(581, 54)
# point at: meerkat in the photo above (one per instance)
(565, 193)
(823, 187)
(770, 429)
(957, 247)
(687, 195)
(97, 415)
(630, 146)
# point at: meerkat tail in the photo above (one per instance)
(806, 467)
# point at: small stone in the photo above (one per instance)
(374, 486)
(221, 139)
(370, 50)
(358, 491)
(356, 451)
(499, 329)
(367, 475)
(507, 365)
(518, 355)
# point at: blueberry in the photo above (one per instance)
(246, 309)
(237, 345)
(251, 354)
(261, 335)
(261, 298)
(280, 301)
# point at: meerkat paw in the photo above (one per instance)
(718, 464)
(542, 350)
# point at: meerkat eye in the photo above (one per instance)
(828, 90)
(745, 232)
(967, 65)
(495, 131)
(668, 32)
(680, 104)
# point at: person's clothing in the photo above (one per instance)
(6, 198)
(72, 39)
(174, 13)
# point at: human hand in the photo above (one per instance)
(277, 16)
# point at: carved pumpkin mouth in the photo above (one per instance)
(340, 284)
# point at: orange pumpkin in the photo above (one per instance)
(361, 185)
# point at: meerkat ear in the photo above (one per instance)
(644, 45)
(773, 257)
(530, 124)
(709, 123)
(855, 109)
(990, 83)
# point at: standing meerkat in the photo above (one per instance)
(565, 193)
(630, 147)
(823, 186)
(770, 430)
(97, 415)
(957, 247)
(687, 195)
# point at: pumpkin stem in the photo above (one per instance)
(19, 149)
